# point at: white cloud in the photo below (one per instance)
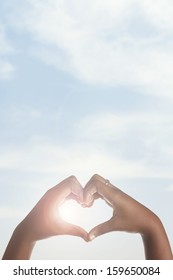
(7, 213)
(62, 160)
(160, 13)
(17, 115)
(106, 42)
(4, 46)
(106, 126)
(170, 188)
(144, 140)
(117, 145)
(6, 68)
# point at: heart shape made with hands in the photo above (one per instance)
(87, 218)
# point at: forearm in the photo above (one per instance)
(19, 247)
(156, 243)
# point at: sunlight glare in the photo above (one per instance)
(69, 212)
(73, 213)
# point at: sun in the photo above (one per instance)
(69, 211)
(87, 218)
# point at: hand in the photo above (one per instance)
(128, 215)
(44, 221)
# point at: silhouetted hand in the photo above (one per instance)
(45, 221)
(128, 215)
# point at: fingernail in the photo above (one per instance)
(92, 236)
(86, 239)
(83, 204)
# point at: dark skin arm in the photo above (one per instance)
(128, 215)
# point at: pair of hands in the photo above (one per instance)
(45, 221)
(129, 215)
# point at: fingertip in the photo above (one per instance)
(80, 232)
(86, 238)
(93, 234)
(88, 199)
(83, 205)
(92, 237)
(79, 200)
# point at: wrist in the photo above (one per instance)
(151, 225)
(156, 243)
(20, 246)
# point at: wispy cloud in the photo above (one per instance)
(7, 213)
(141, 139)
(169, 188)
(6, 70)
(128, 145)
(6, 67)
(79, 160)
(110, 43)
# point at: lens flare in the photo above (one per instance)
(69, 212)
(72, 212)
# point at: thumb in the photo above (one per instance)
(101, 229)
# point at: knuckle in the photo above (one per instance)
(95, 177)
(72, 179)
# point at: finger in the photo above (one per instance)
(70, 229)
(69, 186)
(101, 229)
(95, 197)
(90, 191)
(74, 197)
(102, 187)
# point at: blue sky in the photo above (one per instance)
(86, 87)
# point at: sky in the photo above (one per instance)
(86, 87)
